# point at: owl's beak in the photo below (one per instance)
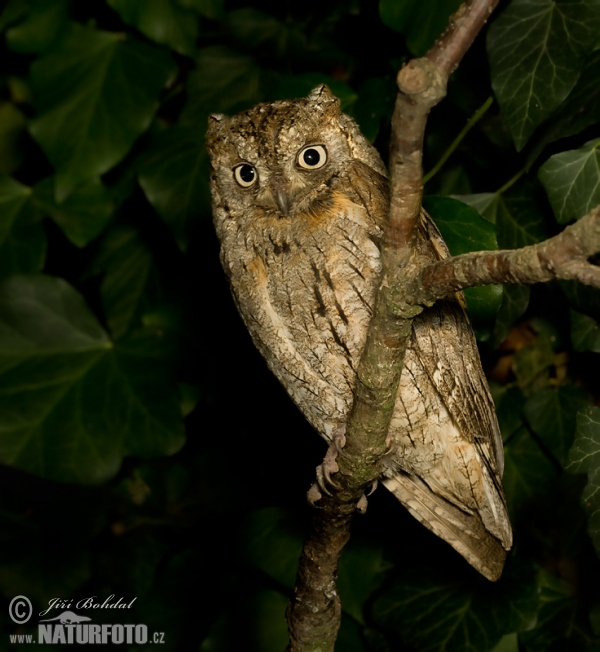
(279, 190)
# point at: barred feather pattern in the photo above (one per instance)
(300, 246)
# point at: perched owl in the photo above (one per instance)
(300, 199)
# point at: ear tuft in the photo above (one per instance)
(324, 100)
(215, 123)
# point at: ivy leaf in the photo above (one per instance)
(519, 217)
(509, 403)
(517, 214)
(536, 48)
(583, 298)
(72, 404)
(464, 230)
(95, 92)
(209, 8)
(360, 573)
(433, 612)
(22, 238)
(572, 181)
(127, 268)
(585, 332)
(165, 23)
(12, 129)
(552, 414)
(373, 105)
(555, 615)
(508, 643)
(251, 622)
(174, 178)
(223, 82)
(584, 457)
(485, 203)
(515, 299)
(580, 110)
(83, 215)
(43, 24)
(422, 22)
(273, 543)
(528, 473)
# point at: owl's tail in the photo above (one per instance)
(463, 530)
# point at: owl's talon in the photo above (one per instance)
(362, 504)
(372, 488)
(313, 495)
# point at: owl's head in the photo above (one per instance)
(281, 158)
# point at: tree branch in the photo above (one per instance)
(314, 613)
(565, 256)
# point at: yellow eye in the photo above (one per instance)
(245, 175)
(312, 157)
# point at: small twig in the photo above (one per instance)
(473, 120)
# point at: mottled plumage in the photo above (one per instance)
(299, 201)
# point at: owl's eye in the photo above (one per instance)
(312, 157)
(245, 175)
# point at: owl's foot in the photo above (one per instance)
(328, 467)
(363, 503)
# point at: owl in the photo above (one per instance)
(300, 200)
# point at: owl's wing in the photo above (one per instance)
(448, 465)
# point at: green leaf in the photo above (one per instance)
(22, 238)
(163, 21)
(552, 415)
(223, 82)
(509, 403)
(508, 643)
(555, 615)
(73, 405)
(583, 298)
(485, 203)
(532, 364)
(175, 177)
(572, 181)
(265, 34)
(255, 622)
(396, 14)
(129, 276)
(43, 24)
(422, 22)
(96, 92)
(584, 457)
(373, 105)
(536, 49)
(580, 110)
(12, 130)
(434, 612)
(515, 300)
(360, 573)
(209, 8)
(83, 215)
(519, 217)
(528, 474)
(517, 214)
(464, 230)
(272, 542)
(585, 332)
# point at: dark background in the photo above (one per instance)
(147, 451)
